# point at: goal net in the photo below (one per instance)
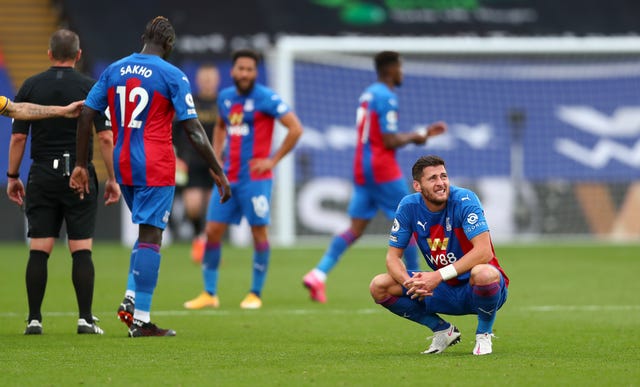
(545, 130)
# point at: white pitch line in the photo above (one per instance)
(581, 308)
(299, 312)
(218, 312)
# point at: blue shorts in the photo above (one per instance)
(251, 199)
(456, 300)
(367, 199)
(149, 205)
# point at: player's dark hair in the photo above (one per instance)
(245, 53)
(159, 31)
(385, 59)
(422, 163)
(64, 45)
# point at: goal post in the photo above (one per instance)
(545, 129)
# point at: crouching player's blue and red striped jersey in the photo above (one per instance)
(444, 236)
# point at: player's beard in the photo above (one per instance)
(437, 201)
(244, 89)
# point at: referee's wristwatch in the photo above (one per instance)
(13, 175)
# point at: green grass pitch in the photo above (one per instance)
(572, 319)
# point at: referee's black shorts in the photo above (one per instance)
(49, 201)
(199, 176)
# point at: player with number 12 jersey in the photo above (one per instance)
(142, 93)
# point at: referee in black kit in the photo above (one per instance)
(49, 200)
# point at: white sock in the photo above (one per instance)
(130, 294)
(141, 315)
(320, 275)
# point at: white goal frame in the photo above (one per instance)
(280, 63)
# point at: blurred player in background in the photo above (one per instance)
(378, 180)
(247, 116)
(48, 200)
(196, 191)
(143, 93)
(32, 111)
(450, 226)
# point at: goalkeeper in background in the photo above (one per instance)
(378, 180)
(31, 111)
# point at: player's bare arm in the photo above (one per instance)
(218, 138)
(200, 141)
(480, 253)
(79, 180)
(111, 186)
(29, 111)
(395, 266)
(418, 137)
(391, 282)
(292, 123)
(435, 129)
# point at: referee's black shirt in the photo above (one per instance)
(52, 137)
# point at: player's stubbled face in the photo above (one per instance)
(244, 73)
(434, 186)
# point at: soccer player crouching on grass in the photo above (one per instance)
(31, 111)
(453, 235)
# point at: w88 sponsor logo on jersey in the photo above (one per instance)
(239, 130)
(442, 259)
(439, 256)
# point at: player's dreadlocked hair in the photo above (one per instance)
(64, 45)
(422, 163)
(385, 58)
(159, 31)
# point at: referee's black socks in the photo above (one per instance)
(36, 279)
(83, 276)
